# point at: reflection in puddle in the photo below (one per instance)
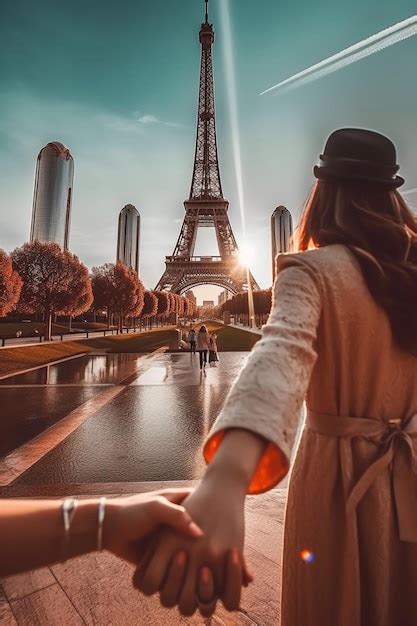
(156, 375)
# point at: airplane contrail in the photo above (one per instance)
(384, 39)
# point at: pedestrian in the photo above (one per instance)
(213, 357)
(192, 340)
(202, 345)
(342, 334)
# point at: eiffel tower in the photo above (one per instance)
(206, 206)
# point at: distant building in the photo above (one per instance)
(223, 296)
(52, 197)
(281, 231)
(128, 237)
(190, 295)
(208, 304)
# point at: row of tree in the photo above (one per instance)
(238, 306)
(43, 278)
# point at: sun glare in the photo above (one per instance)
(245, 255)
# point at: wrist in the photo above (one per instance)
(237, 458)
(110, 522)
(227, 476)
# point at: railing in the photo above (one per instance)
(196, 259)
(61, 336)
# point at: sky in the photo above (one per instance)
(117, 83)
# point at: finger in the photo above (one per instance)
(173, 582)
(153, 576)
(175, 495)
(164, 512)
(206, 593)
(205, 585)
(247, 573)
(233, 583)
(187, 602)
(143, 563)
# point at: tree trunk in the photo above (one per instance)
(48, 325)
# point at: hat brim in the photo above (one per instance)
(328, 173)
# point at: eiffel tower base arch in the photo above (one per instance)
(183, 274)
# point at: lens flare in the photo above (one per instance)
(307, 556)
(230, 73)
(229, 65)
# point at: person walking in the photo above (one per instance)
(213, 357)
(192, 340)
(203, 345)
(342, 334)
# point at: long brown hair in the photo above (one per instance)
(381, 231)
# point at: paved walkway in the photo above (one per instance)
(121, 424)
(96, 589)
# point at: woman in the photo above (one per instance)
(342, 333)
(35, 533)
(203, 345)
(213, 357)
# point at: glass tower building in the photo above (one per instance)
(51, 212)
(128, 237)
(281, 231)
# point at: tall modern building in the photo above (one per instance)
(51, 212)
(128, 237)
(281, 231)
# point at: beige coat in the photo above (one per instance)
(328, 342)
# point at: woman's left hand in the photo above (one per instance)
(175, 567)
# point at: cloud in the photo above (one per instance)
(149, 119)
(152, 119)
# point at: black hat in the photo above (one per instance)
(360, 155)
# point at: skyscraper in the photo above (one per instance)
(281, 231)
(51, 212)
(128, 237)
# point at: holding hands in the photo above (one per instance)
(194, 573)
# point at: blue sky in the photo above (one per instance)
(117, 83)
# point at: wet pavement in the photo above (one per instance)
(153, 430)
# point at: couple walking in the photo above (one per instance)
(206, 345)
(342, 334)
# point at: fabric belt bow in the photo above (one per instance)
(397, 453)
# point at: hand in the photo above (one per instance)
(130, 521)
(178, 565)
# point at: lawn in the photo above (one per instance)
(20, 358)
(233, 339)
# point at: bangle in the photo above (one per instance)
(68, 509)
(101, 514)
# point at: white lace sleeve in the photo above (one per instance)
(269, 391)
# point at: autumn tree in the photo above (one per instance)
(118, 289)
(10, 285)
(150, 305)
(163, 303)
(55, 282)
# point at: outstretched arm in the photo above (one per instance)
(32, 531)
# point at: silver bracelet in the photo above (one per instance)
(101, 514)
(68, 509)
